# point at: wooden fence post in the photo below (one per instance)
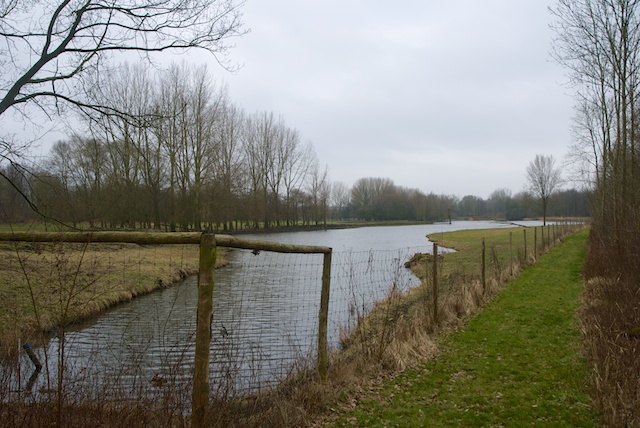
(549, 237)
(435, 284)
(484, 268)
(535, 243)
(204, 317)
(323, 317)
(525, 246)
(511, 253)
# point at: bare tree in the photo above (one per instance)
(49, 47)
(499, 201)
(228, 164)
(319, 189)
(299, 159)
(340, 199)
(259, 146)
(543, 179)
(599, 42)
(53, 52)
(364, 192)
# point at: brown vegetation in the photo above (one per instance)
(598, 41)
(45, 286)
(398, 333)
(610, 317)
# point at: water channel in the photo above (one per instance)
(265, 313)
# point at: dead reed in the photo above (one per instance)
(610, 322)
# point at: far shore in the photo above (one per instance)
(46, 287)
(49, 286)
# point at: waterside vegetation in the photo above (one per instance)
(396, 336)
(517, 362)
(47, 286)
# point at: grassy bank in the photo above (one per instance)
(45, 286)
(516, 363)
(398, 337)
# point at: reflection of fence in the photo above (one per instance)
(208, 244)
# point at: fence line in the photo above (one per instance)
(208, 243)
(557, 231)
(360, 270)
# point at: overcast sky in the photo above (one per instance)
(448, 97)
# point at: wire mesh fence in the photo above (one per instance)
(266, 309)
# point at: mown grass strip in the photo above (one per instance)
(516, 363)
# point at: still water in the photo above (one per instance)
(265, 314)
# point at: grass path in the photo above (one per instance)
(516, 363)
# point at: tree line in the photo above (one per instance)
(380, 199)
(222, 169)
(598, 41)
(183, 157)
(169, 150)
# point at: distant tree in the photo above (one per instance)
(517, 207)
(364, 192)
(439, 207)
(340, 199)
(571, 203)
(319, 189)
(228, 165)
(499, 202)
(13, 205)
(543, 180)
(471, 206)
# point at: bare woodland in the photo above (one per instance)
(599, 43)
(163, 147)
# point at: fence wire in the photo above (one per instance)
(265, 316)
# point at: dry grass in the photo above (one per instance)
(610, 321)
(398, 333)
(45, 286)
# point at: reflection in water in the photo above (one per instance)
(265, 315)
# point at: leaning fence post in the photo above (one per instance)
(204, 317)
(324, 317)
(435, 284)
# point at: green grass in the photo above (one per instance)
(502, 247)
(516, 363)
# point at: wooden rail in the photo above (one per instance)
(208, 243)
(156, 238)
